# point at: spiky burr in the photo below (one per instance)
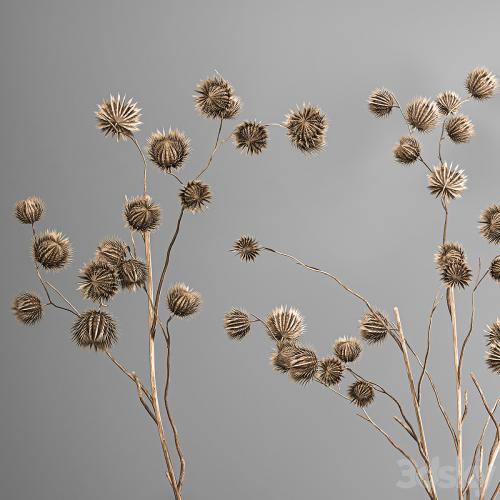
(30, 210)
(27, 308)
(118, 117)
(285, 322)
(237, 323)
(52, 250)
(182, 300)
(95, 329)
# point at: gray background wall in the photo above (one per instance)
(71, 427)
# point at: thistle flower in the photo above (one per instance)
(132, 274)
(169, 150)
(142, 214)
(447, 182)
(112, 251)
(285, 323)
(195, 195)
(303, 365)
(233, 109)
(493, 333)
(347, 349)
(460, 129)
(422, 114)
(247, 247)
(490, 224)
(27, 308)
(374, 327)
(251, 137)
(381, 102)
(447, 252)
(29, 211)
(493, 357)
(306, 128)
(281, 357)
(361, 393)
(214, 97)
(331, 371)
(407, 151)
(182, 300)
(456, 273)
(237, 323)
(118, 117)
(95, 329)
(51, 249)
(448, 102)
(481, 83)
(495, 269)
(98, 281)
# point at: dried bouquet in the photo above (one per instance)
(120, 265)
(285, 325)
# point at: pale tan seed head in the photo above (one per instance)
(381, 102)
(195, 196)
(459, 129)
(168, 151)
(361, 393)
(306, 128)
(448, 102)
(250, 137)
(142, 214)
(247, 248)
(182, 300)
(118, 117)
(132, 274)
(422, 114)
(447, 182)
(52, 250)
(347, 349)
(481, 83)
(237, 323)
(374, 327)
(98, 281)
(490, 224)
(213, 97)
(331, 371)
(285, 322)
(303, 365)
(407, 151)
(27, 308)
(30, 210)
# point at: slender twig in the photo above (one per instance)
(214, 150)
(496, 492)
(141, 152)
(445, 225)
(441, 138)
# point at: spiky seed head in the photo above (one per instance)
(330, 371)
(118, 117)
(168, 151)
(481, 83)
(250, 137)
(361, 393)
(456, 273)
(303, 365)
(99, 281)
(447, 182)
(407, 151)
(374, 327)
(142, 214)
(422, 114)
(195, 196)
(282, 355)
(132, 274)
(182, 300)
(495, 269)
(237, 323)
(285, 322)
(493, 357)
(460, 129)
(490, 224)
(27, 308)
(112, 251)
(52, 250)
(247, 247)
(306, 128)
(233, 109)
(95, 329)
(29, 211)
(213, 97)
(447, 252)
(347, 349)
(448, 102)
(493, 333)
(381, 102)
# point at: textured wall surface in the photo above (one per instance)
(70, 425)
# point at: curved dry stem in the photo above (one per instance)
(141, 152)
(214, 150)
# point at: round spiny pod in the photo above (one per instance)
(247, 247)
(118, 117)
(132, 274)
(168, 151)
(27, 308)
(447, 252)
(285, 322)
(195, 196)
(237, 323)
(112, 251)
(448, 102)
(281, 357)
(213, 97)
(233, 109)
(459, 129)
(422, 114)
(490, 224)
(331, 371)
(95, 329)
(495, 268)
(481, 83)
(251, 137)
(142, 214)
(29, 211)
(303, 365)
(456, 273)
(99, 281)
(347, 349)
(374, 327)
(381, 102)
(407, 151)
(447, 182)
(306, 128)
(182, 300)
(51, 249)
(493, 357)
(493, 333)
(361, 393)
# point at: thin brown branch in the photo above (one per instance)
(134, 140)
(214, 150)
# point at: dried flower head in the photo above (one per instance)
(51, 249)
(407, 151)
(233, 109)
(251, 137)
(490, 224)
(481, 83)
(195, 196)
(361, 393)
(447, 182)
(142, 214)
(448, 102)
(447, 252)
(112, 251)
(281, 357)
(237, 323)
(422, 114)
(118, 117)
(247, 247)
(303, 365)
(374, 327)
(456, 273)
(331, 371)
(132, 274)
(493, 333)
(306, 128)
(493, 357)
(285, 323)
(460, 129)
(30, 210)
(27, 308)
(381, 102)
(213, 97)
(99, 281)
(95, 329)
(347, 349)
(495, 269)
(169, 150)
(182, 300)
